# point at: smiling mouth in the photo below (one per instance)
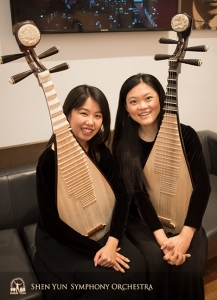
(144, 114)
(87, 130)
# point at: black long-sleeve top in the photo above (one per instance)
(50, 221)
(200, 178)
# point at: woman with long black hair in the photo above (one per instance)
(174, 263)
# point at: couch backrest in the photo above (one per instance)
(205, 146)
(18, 201)
(212, 141)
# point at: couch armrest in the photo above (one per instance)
(16, 273)
(18, 200)
(212, 141)
(203, 136)
(209, 143)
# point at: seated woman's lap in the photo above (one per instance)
(143, 238)
(178, 281)
(72, 267)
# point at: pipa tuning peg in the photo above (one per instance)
(49, 52)
(167, 41)
(61, 67)
(8, 58)
(193, 62)
(16, 78)
(201, 48)
(162, 56)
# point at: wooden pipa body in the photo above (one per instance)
(85, 199)
(168, 180)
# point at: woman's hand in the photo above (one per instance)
(180, 244)
(176, 258)
(121, 261)
(109, 257)
(164, 242)
(106, 256)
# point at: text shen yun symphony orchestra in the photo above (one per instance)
(105, 286)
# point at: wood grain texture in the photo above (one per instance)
(168, 181)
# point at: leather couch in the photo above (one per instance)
(19, 214)
(208, 140)
(18, 208)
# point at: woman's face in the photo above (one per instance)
(86, 121)
(143, 105)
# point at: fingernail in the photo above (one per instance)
(127, 267)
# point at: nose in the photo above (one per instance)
(143, 105)
(90, 121)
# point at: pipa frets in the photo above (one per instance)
(68, 149)
(166, 173)
(167, 158)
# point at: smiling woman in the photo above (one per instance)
(143, 106)
(71, 244)
(86, 121)
(174, 260)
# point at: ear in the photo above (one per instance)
(68, 117)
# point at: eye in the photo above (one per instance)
(133, 101)
(83, 113)
(149, 98)
(98, 116)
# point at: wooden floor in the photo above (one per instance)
(210, 279)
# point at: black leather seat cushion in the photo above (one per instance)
(15, 268)
(29, 240)
(6, 206)
(210, 218)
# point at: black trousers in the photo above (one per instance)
(72, 275)
(184, 282)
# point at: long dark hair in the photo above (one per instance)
(126, 145)
(75, 99)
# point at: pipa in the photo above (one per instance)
(85, 200)
(167, 173)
